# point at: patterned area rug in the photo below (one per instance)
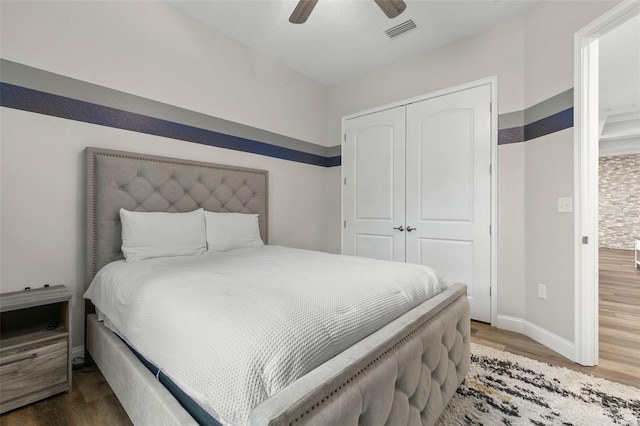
(506, 389)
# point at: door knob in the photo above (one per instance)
(411, 228)
(399, 228)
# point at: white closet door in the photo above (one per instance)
(375, 185)
(449, 190)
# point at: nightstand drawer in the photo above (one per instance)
(32, 368)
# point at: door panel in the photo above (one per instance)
(374, 246)
(443, 159)
(374, 173)
(452, 259)
(449, 190)
(446, 155)
(374, 189)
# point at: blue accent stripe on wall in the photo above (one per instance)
(512, 135)
(334, 161)
(551, 124)
(22, 98)
(17, 97)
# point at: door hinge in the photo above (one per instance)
(345, 181)
(489, 229)
(490, 169)
(489, 291)
(585, 240)
(345, 137)
(345, 223)
(490, 106)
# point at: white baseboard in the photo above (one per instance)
(554, 342)
(77, 352)
(508, 323)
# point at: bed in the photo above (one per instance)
(403, 373)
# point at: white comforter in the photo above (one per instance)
(232, 329)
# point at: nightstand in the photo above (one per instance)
(35, 345)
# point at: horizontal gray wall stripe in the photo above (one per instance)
(334, 151)
(549, 107)
(510, 125)
(537, 112)
(45, 81)
(511, 120)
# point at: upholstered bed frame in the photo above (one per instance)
(405, 373)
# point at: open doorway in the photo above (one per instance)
(619, 198)
(587, 130)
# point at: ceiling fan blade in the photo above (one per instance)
(392, 8)
(302, 11)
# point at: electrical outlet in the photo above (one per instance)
(542, 291)
(565, 205)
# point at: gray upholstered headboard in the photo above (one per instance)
(117, 179)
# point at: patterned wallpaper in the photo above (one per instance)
(619, 201)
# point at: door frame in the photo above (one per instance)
(585, 148)
(492, 81)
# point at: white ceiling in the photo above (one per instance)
(345, 38)
(620, 68)
(619, 86)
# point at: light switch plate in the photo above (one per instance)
(565, 205)
(542, 291)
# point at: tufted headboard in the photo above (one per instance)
(118, 179)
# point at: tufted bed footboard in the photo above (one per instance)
(405, 374)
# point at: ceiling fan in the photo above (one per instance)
(391, 8)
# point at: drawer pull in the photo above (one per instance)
(20, 359)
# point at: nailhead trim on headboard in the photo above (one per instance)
(149, 185)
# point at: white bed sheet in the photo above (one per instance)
(232, 329)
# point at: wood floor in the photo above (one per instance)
(619, 316)
(92, 402)
(619, 290)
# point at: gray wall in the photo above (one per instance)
(533, 59)
(149, 50)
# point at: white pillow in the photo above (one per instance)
(228, 231)
(146, 235)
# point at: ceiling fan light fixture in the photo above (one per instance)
(391, 8)
(302, 11)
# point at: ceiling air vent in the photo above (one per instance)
(401, 28)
